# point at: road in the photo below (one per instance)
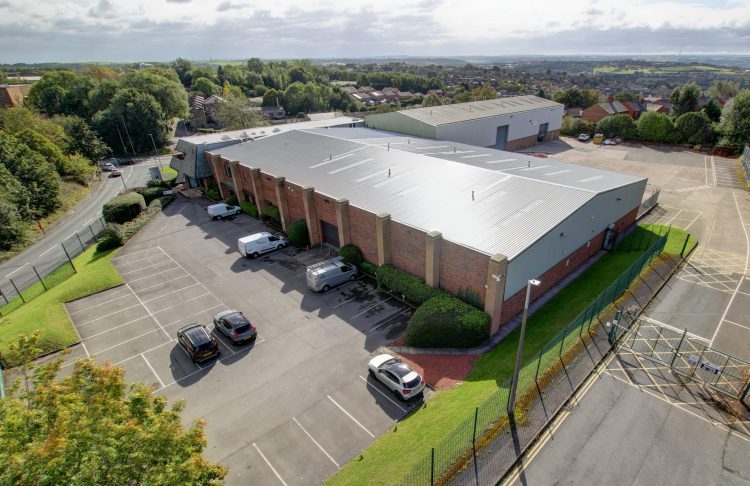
(49, 248)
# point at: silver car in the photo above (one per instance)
(234, 325)
(404, 382)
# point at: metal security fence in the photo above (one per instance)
(650, 202)
(489, 440)
(30, 281)
(746, 162)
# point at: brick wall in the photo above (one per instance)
(294, 199)
(362, 229)
(243, 179)
(462, 267)
(408, 249)
(326, 208)
(268, 187)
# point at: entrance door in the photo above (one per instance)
(542, 131)
(330, 234)
(502, 137)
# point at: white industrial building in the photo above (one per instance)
(503, 123)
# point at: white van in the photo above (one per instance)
(254, 245)
(219, 211)
(327, 274)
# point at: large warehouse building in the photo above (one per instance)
(503, 123)
(457, 216)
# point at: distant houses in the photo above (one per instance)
(596, 112)
(369, 96)
(12, 95)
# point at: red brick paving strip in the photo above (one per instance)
(442, 372)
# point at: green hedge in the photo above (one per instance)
(166, 184)
(298, 235)
(114, 235)
(446, 322)
(232, 200)
(123, 208)
(250, 208)
(150, 193)
(212, 192)
(111, 236)
(351, 254)
(368, 268)
(406, 284)
(272, 212)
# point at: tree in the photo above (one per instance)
(91, 428)
(575, 126)
(574, 98)
(541, 93)
(624, 96)
(237, 113)
(735, 119)
(693, 128)
(712, 110)
(47, 94)
(684, 99)
(206, 87)
(272, 98)
(485, 92)
(255, 65)
(656, 127)
(184, 69)
(204, 72)
(142, 116)
(14, 193)
(12, 227)
(723, 88)
(170, 95)
(37, 175)
(101, 96)
(83, 140)
(619, 125)
(432, 100)
(16, 120)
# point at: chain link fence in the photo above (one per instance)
(487, 443)
(31, 281)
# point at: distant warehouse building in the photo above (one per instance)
(503, 123)
(457, 216)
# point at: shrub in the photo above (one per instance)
(122, 209)
(470, 296)
(406, 284)
(272, 212)
(232, 200)
(154, 208)
(160, 183)
(445, 321)
(575, 126)
(150, 193)
(351, 254)
(111, 236)
(617, 125)
(212, 192)
(250, 208)
(368, 268)
(298, 235)
(656, 127)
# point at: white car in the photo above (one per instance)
(221, 211)
(254, 245)
(584, 137)
(108, 167)
(404, 382)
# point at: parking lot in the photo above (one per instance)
(288, 409)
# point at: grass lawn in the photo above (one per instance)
(47, 312)
(394, 454)
(168, 173)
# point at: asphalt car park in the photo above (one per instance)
(289, 408)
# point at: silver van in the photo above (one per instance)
(327, 274)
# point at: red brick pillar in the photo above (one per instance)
(260, 201)
(311, 215)
(497, 274)
(281, 201)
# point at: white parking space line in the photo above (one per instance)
(88, 338)
(81, 324)
(152, 370)
(669, 222)
(372, 306)
(278, 476)
(694, 220)
(222, 343)
(146, 351)
(350, 416)
(161, 284)
(179, 304)
(736, 324)
(142, 268)
(382, 393)
(387, 321)
(97, 305)
(139, 260)
(83, 345)
(134, 253)
(154, 274)
(170, 293)
(349, 300)
(149, 312)
(316, 443)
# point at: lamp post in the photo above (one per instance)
(156, 152)
(514, 382)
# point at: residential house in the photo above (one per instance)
(211, 106)
(272, 112)
(12, 95)
(198, 118)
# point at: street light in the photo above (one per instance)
(514, 382)
(156, 152)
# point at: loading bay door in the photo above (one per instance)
(502, 137)
(330, 234)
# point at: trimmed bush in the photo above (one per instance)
(232, 200)
(212, 192)
(133, 227)
(250, 208)
(446, 322)
(167, 184)
(351, 254)
(369, 268)
(123, 208)
(272, 212)
(470, 296)
(111, 236)
(401, 283)
(150, 193)
(297, 232)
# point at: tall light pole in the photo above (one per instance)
(514, 382)
(156, 152)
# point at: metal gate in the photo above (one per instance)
(688, 355)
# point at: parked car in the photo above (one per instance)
(254, 245)
(127, 161)
(221, 211)
(329, 273)
(234, 325)
(584, 137)
(198, 342)
(108, 167)
(404, 382)
(598, 138)
(115, 172)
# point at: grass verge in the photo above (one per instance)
(395, 453)
(47, 312)
(168, 173)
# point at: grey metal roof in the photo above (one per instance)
(460, 112)
(507, 213)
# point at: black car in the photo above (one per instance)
(198, 342)
(234, 325)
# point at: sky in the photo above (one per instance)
(161, 30)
